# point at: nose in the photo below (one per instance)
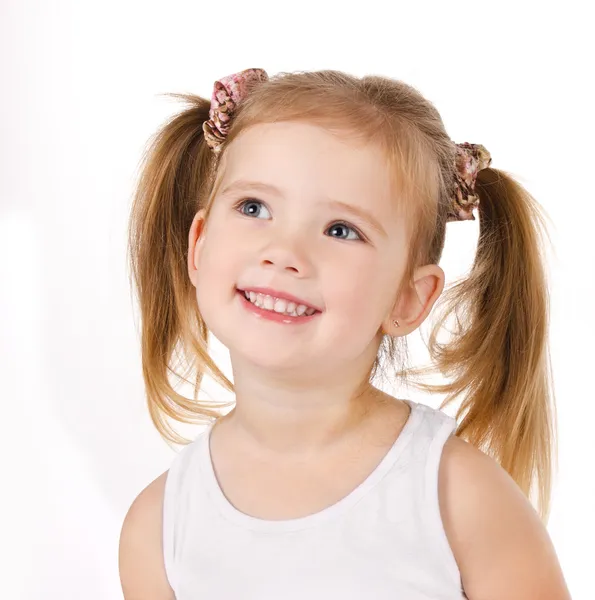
(286, 256)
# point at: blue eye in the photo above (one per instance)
(251, 203)
(344, 226)
(251, 208)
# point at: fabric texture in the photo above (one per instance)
(470, 159)
(228, 92)
(384, 540)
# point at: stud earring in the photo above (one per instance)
(396, 323)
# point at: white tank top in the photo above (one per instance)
(384, 540)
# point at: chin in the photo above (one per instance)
(272, 357)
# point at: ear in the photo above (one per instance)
(416, 301)
(195, 240)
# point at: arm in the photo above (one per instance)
(500, 544)
(142, 572)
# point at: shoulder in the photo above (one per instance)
(500, 544)
(142, 570)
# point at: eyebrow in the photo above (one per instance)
(258, 186)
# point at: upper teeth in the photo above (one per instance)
(279, 305)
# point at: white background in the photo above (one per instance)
(80, 98)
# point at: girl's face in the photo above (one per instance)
(311, 215)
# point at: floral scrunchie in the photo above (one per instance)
(228, 93)
(469, 160)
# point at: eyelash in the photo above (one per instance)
(238, 206)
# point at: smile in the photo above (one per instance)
(276, 309)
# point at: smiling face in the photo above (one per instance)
(310, 214)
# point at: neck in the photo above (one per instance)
(303, 422)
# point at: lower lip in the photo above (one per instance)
(272, 315)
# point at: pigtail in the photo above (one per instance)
(175, 181)
(499, 351)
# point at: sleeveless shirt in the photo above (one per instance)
(384, 540)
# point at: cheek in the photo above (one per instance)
(358, 286)
(217, 252)
(215, 277)
(350, 272)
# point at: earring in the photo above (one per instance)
(396, 323)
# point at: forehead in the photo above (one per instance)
(307, 160)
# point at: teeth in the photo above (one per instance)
(279, 305)
(269, 303)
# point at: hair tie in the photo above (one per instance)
(228, 93)
(469, 160)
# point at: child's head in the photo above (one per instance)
(319, 145)
(328, 231)
(362, 180)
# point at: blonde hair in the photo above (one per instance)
(498, 356)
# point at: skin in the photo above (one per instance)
(291, 402)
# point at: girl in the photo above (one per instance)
(301, 219)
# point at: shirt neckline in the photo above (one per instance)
(231, 513)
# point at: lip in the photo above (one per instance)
(269, 315)
(280, 295)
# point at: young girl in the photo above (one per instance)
(301, 219)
